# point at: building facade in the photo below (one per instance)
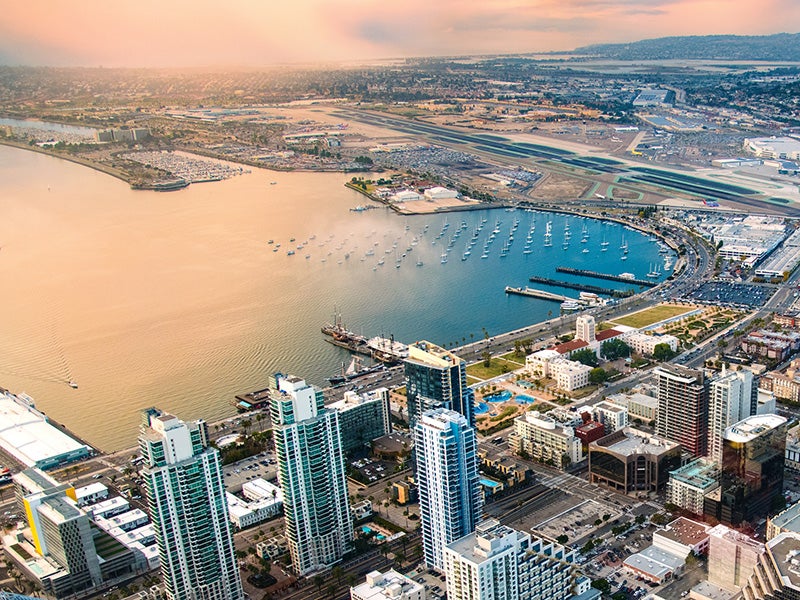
(311, 473)
(186, 498)
(732, 397)
(632, 462)
(450, 498)
(540, 437)
(497, 562)
(688, 486)
(436, 378)
(751, 477)
(682, 407)
(362, 418)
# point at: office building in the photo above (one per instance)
(640, 406)
(388, 586)
(732, 556)
(450, 499)
(682, 407)
(633, 462)
(541, 437)
(186, 497)
(732, 397)
(311, 473)
(497, 562)
(751, 479)
(436, 378)
(776, 575)
(362, 418)
(683, 537)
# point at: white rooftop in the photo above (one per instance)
(28, 437)
(751, 427)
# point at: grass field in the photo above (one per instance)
(498, 366)
(653, 315)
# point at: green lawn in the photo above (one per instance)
(653, 315)
(497, 366)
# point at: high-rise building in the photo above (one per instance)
(362, 418)
(732, 556)
(776, 575)
(186, 496)
(751, 476)
(311, 472)
(731, 398)
(682, 407)
(450, 498)
(436, 378)
(497, 562)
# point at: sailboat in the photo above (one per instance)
(655, 272)
(548, 234)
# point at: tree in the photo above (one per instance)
(615, 348)
(602, 585)
(597, 376)
(562, 539)
(319, 581)
(337, 573)
(585, 356)
(662, 352)
(487, 358)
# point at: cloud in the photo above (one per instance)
(258, 33)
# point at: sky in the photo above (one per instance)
(198, 33)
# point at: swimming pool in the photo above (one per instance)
(524, 399)
(498, 397)
(489, 483)
(480, 408)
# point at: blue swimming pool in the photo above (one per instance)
(480, 408)
(490, 483)
(498, 396)
(524, 399)
(366, 529)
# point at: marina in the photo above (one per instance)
(620, 278)
(256, 309)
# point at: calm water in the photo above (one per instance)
(177, 299)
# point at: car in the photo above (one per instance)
(97, 476)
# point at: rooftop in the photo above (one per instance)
(750, 428)
(629, 441)
(685, 531)
(698, 473)
(386, 585)
(785, 549)
(789, 519)
(654, 562)
(28, 437)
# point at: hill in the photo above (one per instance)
(779, 46)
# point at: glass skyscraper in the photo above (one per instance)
(436, 378)
(450, 498)
(311, 472)
(186, 496)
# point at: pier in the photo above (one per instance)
(606, 276)
(583, 287)
(533, 293)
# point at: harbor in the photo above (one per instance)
(623, 278)
(583, 287)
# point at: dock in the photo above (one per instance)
(583, 287)
(533, 293)
(606, 276)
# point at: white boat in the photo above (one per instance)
(73, 384)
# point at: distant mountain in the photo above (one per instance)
(780, 46)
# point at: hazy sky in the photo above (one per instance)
(263, 32)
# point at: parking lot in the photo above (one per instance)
(262, 466)
(727, 293)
